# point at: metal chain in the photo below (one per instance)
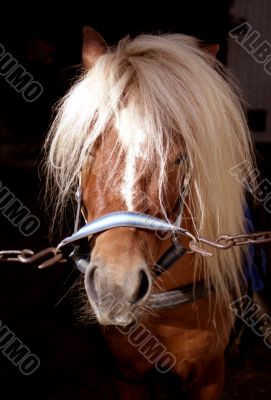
(51, 256)
(44, 258)
(224, 242)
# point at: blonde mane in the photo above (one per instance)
(161, 91)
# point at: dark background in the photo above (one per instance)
(43, 307)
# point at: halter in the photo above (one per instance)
(120, 219)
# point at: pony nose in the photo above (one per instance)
(143, 287)
(133, 288)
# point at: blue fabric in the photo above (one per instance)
(253, 272)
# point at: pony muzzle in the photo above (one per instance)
(115, 294)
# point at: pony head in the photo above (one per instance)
(143, 117)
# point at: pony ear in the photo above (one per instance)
(212, 49)
(93, 47)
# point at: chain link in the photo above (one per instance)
(13, 255)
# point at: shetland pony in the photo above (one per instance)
(142, 117)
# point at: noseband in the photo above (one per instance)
(121, 219)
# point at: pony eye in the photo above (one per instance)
(180, 159)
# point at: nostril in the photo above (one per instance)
(92, 273)
(90, 283)
(142, 288)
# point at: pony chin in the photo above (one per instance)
(108, 311)
(122, 320)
